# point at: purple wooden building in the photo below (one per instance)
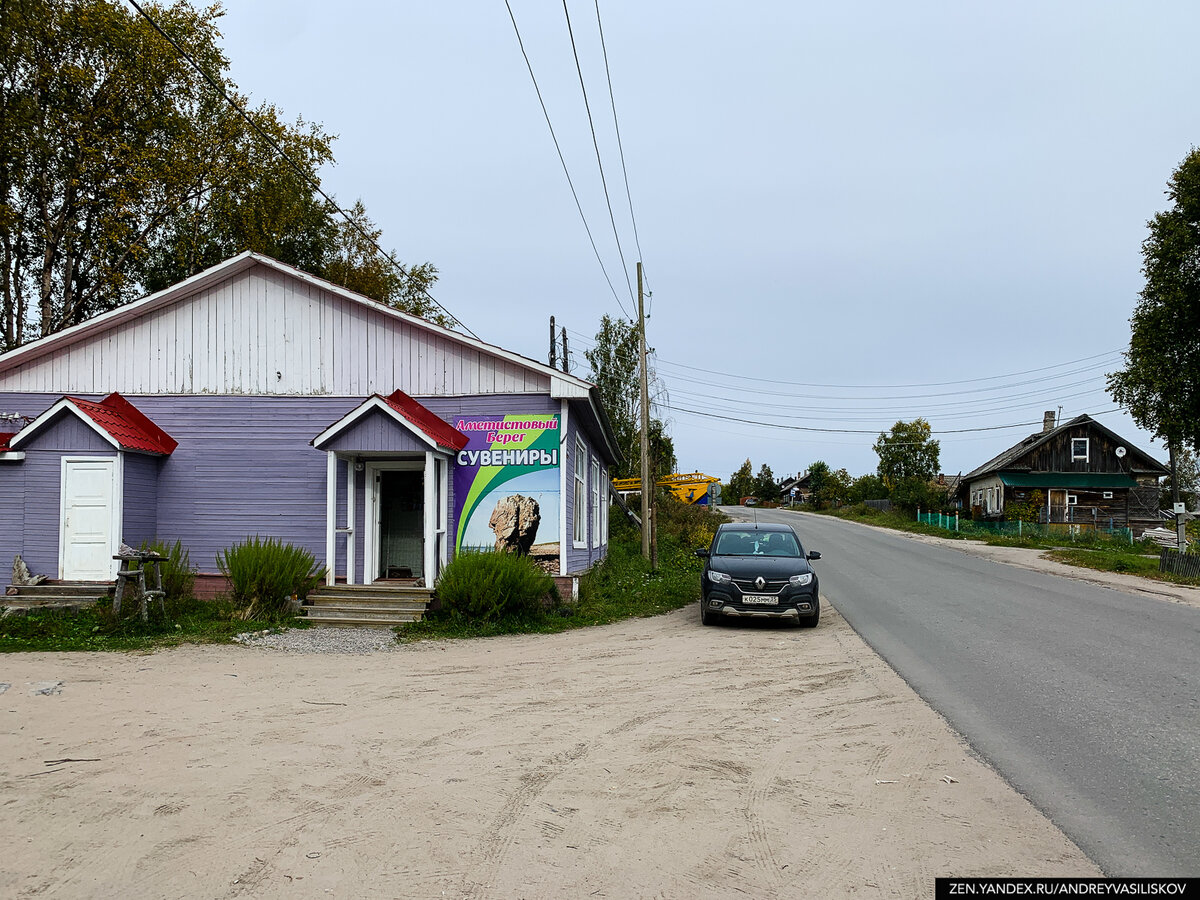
(255, 399)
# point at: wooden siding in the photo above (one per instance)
(376, 432)
(140, 507)
(244, 466)
(1055, 454)
(263, 332)
(579, 559)
(37, 537)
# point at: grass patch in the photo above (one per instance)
(621, 587)
(1130, 562)
(1092, 550)
(893, 519)
(186, 621)
(900, 521)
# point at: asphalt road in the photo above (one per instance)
(1086, 699)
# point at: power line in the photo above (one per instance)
(795, 400)
(617, 128)
(596, 145)
(562, 160)
(775, 381)
(808, 428)
(872, 412)
(312, 183)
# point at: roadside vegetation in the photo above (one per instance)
(186, 621)
(260, 602)
(1099, 551)
(621, 587)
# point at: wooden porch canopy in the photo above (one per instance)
(1097, 480)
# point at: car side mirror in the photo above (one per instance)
(813, 555)
(702, 552)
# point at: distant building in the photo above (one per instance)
(1086, 474)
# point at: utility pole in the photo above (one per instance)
(1180, 524)
(566, 352)
(645, 417)
(553, 346)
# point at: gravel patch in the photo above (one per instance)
(323, 640)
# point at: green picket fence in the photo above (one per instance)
(1065, 531)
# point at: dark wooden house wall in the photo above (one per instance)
(1055, 454)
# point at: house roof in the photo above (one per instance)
(114, 418)
(1009, 458)
(441, 431)
(5, 437)
(407, 412)
(562, 384)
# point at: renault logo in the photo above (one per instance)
(760, 582)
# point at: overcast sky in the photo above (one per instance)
(849, 213)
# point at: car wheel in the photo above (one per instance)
(706, 617)
(811, 621)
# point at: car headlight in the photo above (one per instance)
(806, 578)
(719, 577)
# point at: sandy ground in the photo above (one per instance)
(651, 758)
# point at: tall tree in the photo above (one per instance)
(1187, 465)
(122, 170)
(765, 486)
(827, 487)
(740, 484)
(1160, 384)
(99, 148)
(614, 370)
(907, 451)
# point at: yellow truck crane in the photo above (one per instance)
(692, 488)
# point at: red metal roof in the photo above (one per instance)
(439, 431)
(5, 437)
(126, 424)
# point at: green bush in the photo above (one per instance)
(692, 524)
(492, 585)
(916, 493)
(867, 487)
(264, 576)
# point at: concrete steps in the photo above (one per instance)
(65, 595)
(366, 606)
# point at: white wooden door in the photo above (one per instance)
(89, 505)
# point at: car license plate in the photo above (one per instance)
(760, 600)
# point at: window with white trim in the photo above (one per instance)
(579, 535)
(1108, 495)
(595, 502)
(1072, 500)
(1079, 449)
(605, 502)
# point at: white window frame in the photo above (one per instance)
(1108, 495)
(595, 503)
(1075, 457)
(1072, 500)
(579, 512)
(605, 502)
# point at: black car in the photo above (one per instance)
(758, 571)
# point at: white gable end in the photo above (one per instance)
(266, 331)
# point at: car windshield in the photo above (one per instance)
(757, 543)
